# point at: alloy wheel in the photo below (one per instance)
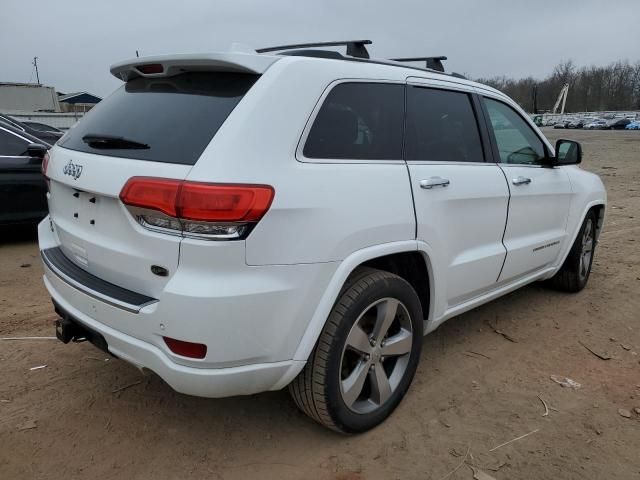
(376, 354)
(588, 239)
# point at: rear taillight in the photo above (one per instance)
(209, 210)
(45, 164)
(43, 168)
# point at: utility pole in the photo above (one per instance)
(35, 64)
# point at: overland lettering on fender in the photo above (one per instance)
(73, 170)
(547, 245)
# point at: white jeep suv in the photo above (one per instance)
(239, 222)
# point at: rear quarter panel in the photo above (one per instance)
(321, 212)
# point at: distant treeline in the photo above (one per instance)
(614, 87)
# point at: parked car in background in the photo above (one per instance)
(49, 137)
(618, 123)
(635, 125)
(575, 123)
(561, 124)
(22, 185)
(42, 127)
(596, 125)
(319, 253)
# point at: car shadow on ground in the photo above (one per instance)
(487, 327)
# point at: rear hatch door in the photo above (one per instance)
(150, 127)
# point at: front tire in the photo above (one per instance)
(576, 269)
(366, 356)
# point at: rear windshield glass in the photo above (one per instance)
(168, 120)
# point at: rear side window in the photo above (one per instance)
(12, 145)
(441, 126)
(360, 121)
(168, 120)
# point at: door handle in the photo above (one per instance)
(434, 182)
(520, 180)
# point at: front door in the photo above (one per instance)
(540, 196)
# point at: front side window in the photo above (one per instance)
(359, 121)
(12, 145)
(516, 140)
(441, 126)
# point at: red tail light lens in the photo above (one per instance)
(152, 193)
(186, 349)
(224, 203)
(45, 165)
(204, 209)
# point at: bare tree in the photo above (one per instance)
(613, 87)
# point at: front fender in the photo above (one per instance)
(588, 192)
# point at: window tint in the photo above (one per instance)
(174, 117)
(12, 146)
(517, 142)
(441, 126)
(359, 121)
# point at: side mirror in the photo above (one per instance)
(36, 150)
(568, 152)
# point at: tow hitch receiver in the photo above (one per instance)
(70, 330)
(66, 331)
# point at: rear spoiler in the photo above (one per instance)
(170, 65)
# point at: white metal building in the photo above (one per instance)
(28, 97)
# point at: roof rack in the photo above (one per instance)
(433, 63)
(355, 48)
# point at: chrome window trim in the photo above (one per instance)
(440, 84)
(15, 134)
(443, 162)
(300, 157)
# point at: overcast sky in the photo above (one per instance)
(77, 40)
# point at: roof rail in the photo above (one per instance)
(355, 48)
(433, 63)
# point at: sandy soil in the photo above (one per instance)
(65, 421)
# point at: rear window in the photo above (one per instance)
(441, 126)
(168, 120)
(361, 121)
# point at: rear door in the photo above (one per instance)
(22, 186)
(150, 127)
(460, 198)
(540, 196)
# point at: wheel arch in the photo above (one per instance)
(395, 255)
(597, 206)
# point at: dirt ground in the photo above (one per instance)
(66, 421)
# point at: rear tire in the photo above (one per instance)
(366, 356)
(574, 273)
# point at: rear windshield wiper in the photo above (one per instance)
(110, 141)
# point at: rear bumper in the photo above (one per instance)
(252, 319)
(203, 382)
